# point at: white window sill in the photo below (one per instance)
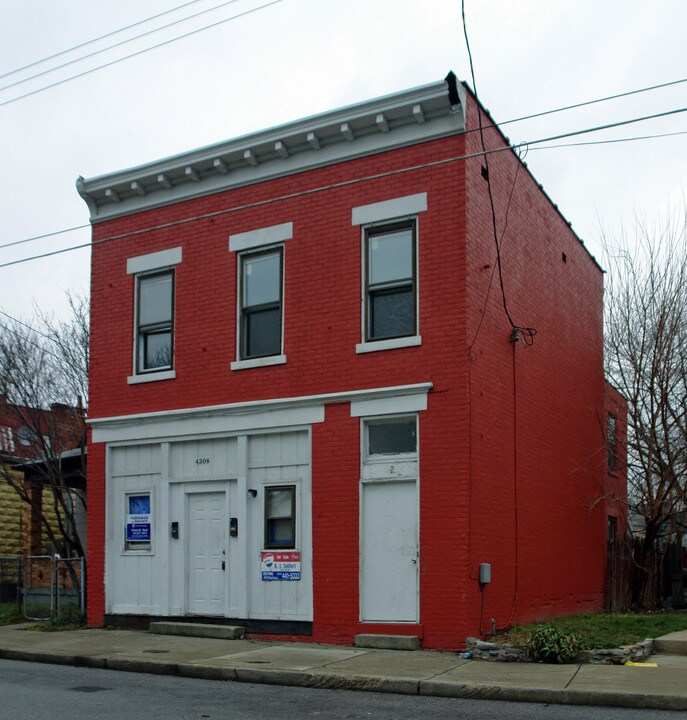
(151, 377)
(258, 362)
(375, 346)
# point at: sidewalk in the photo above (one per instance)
(332, 666)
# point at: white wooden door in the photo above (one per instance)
(207, 553)
(389, 552)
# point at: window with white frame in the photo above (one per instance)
(280, 517)
(260, 304)
(138, 525)
(154, 321)
(390, 296)
(391, 436)
(260, 324)
(154, 281)
(6, 440)
(390, 281)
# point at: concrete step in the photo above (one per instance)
(219, 632)
(387, 642)
(672, 644)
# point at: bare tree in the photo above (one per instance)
(44, 384)
(646, 359)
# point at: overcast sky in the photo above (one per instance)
(296, 58)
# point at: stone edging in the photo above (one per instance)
(482, 650)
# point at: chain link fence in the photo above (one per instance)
(44, 587)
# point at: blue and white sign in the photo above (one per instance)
(138, 519)
(280, 566)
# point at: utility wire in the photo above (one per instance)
(344, 183)
(592, 102)
(116, 45)
(26, 325)
(139, 52)
(524, 117)
(45, 235)
(609, 142)
(95, 40)
(487, 175)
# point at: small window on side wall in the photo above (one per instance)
(280, 517)
(390, 281)
(137, 533)
(154, 321)
(612, 442)
(261, 304)
(393, 436)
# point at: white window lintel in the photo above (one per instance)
(389, 209)
(398, 405)
(153, 261)
(261, 237)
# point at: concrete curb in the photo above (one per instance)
(324, 680)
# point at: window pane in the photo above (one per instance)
(392, 438)
(279, 502)
(139, 504)
(155, 299)
(280, 533)
(390, 257)
(261, 282)
(280, 522)
(157, 350)
(262, 333)
(392, 313)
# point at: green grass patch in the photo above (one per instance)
(10, 613)
(69, 618)
(605, 630)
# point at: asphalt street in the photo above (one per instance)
(33, 691)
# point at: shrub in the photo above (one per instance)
(551, 645)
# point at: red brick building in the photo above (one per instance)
(311, 413)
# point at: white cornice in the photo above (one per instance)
(389, 122)
(261, 414)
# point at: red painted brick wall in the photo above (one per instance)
(502, 421)
(536, 445)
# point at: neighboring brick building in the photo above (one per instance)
(310, 413)
(23, 452)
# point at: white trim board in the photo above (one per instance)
(239, 417)
(389, 209)
(153, 261)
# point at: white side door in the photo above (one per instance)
(207, 553)
(389, 552)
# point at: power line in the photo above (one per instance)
(524, 117)
(344, 183)
(96, 39)
(116, 45)
(140, 52)
(609, 142)
(45, 235)
(593, 102)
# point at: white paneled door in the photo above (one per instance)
(207, 553)
(389, 552)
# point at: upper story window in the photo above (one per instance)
(260, 322)
(6, 440)
(390, 286)
(390, 272)
(154, 314)
(612, 442)
(155, 321)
